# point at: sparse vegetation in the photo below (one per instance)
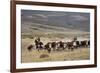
(43, 55)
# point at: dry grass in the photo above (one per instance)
(34, 55)
(66, 55)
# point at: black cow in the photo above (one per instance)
(53, 45)
(70, 45)
(77, 44)
(84, 43)
(60, 45)
(89, 43)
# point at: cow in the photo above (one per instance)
(54, 45)
(65, 45)
(84, 43)
(30, 47)
(60, 45)
(88, 43)
(48, 47)
(78, 44)
(70, 45)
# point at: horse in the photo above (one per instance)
(38, 44)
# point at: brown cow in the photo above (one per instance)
(47, 47)
(70, 45)
(30, 47)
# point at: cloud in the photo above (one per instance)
(79, 17)
(56, 14)
(30, 16)
(41, 15)
(42, 19)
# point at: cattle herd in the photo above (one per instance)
(60, 45)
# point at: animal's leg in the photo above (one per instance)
(49, 50)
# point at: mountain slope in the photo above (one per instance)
(32, 20)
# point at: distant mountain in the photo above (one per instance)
(33, 20)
